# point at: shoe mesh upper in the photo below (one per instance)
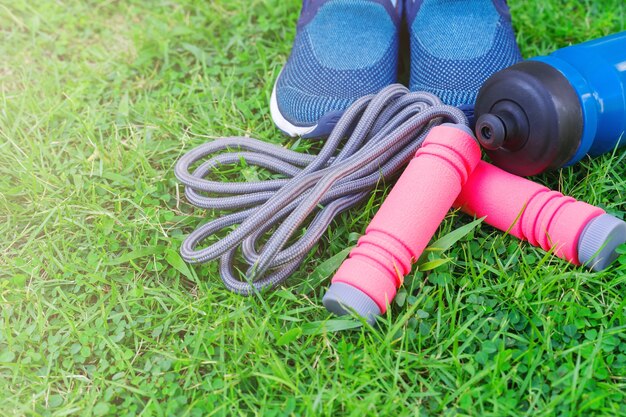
(456, 45)
(349, 49)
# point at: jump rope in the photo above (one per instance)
(387, 129)
(536, 115)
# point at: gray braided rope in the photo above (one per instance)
(383, 133)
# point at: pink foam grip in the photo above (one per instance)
(528, 210)
(410, 215)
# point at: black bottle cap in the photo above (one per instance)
(529, 118)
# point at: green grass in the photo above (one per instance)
(99, 315)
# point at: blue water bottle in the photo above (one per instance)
(551, 111)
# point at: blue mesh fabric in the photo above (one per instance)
(456, 45)
(348, 50)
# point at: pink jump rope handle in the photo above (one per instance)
(408, 218)
(577, 232)
(440, 173)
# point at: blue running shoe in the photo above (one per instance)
(344, 49)
(457, 44)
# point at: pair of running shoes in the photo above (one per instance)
(346, 49)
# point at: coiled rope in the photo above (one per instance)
(386, 131)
